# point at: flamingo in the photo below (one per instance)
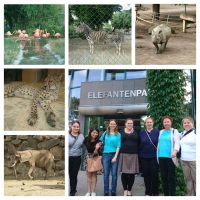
(21, 36)
(8, 33)
(37, 33)
(26, 35)
(19, 31)
(57, 35)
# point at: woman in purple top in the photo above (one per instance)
(148, 158)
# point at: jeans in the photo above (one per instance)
(74, 166)
(107, 167)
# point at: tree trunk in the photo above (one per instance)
(156, 11)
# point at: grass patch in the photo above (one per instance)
(58, 46)
(11, 50)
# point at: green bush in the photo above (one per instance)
(11, 50)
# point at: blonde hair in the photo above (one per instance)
(149, 118)
(188, 118)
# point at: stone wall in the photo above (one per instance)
(13, 143)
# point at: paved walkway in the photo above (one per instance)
(137, 190)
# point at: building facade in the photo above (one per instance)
(96, 96)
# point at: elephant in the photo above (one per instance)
(160, 35)
(43, 159)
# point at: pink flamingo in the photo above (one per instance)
(19, 31)
(37, 33)
(21, 36)
(57, 35)
(8, 33)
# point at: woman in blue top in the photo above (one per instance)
(148, 154)
(111, 145)
(168, 146)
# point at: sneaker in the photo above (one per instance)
(113, 194)
(93, 194)
(106, 194)
(87, 194)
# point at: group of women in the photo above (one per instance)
(122, 152)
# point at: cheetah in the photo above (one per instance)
(42, 97)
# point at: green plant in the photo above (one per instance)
(166, 96)
(11, 50)
(121, 20)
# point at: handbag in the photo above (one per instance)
(94, 164)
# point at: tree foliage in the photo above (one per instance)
(93, 15)
(122, 19)
(30, 17)
(166, 95)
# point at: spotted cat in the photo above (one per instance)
(43, 97)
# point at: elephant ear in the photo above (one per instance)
(24, 155)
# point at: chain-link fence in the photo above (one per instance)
(99, 34)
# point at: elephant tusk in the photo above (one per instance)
(13, 164)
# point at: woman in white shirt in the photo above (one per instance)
(188, 155)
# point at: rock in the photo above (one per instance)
(9, 138)
(8, 171)
(60, 165)
(16, 142)
(48, 144)
(38, 137)
(62, 143)
(60, 173)
(31, 143)
(58, 152)
(22, 170)
(23, 137)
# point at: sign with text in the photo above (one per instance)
(105, 93)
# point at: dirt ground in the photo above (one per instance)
(52, 187)
(103, 53)
(16, 112)
(181, 47)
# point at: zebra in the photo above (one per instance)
(96, 36)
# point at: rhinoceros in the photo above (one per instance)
(43, 159)
(160, 35)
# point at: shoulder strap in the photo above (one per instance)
(188, 132)
(150, 139)
(75, 139)
(104, 137)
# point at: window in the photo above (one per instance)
(115, 75)
(95, 75)
(136, 74)
(78, 78)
